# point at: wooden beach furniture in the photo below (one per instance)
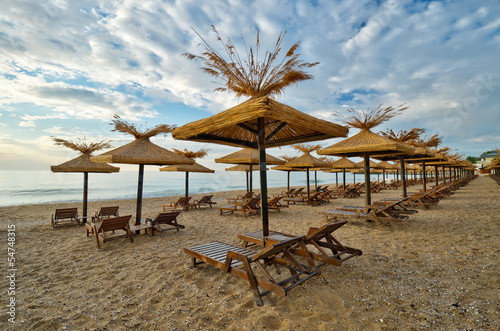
(168, 219)
(249, 207)
(105, 212)
(205, 201)
(312, 200)
(241, 198)
(289, 193)
(106, 226)
(253, 266)
(182, 204)
(275, 204)
(65, 215)
(328, 250)
(374, 215)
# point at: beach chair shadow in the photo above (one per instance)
(168, 219)
(103, 229)
(253, 266)
(65, 215)
(329, 249)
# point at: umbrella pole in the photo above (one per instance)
(337, 179)
(139, 195)
(354, 177)
(85, 193)
(187, 185)
(288, 181)
(246, 176)
(316, 179)
(403, 177)
(251, 178)
(383, 176)
(444, 175)
(436, 171)
(343, 171)
(308, 195)
(263, 178)
(424, 176)
(368, 193)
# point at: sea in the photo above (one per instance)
(25, 187)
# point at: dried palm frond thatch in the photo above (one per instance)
(249, 75)
(403, 136)
(306, 148)
(365, 120)
(431, 142)
(82, 145)
(191, 154)
(133, 129)
(288, 158)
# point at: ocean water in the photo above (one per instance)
(22, 187)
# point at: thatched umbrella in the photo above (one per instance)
(343, 163)
(187, 168)
(259, 122)
(250, 157)
(373, 165)
(248, 169)
(384, 165)
(307, 161)
(83, 163)
(367, 143)
(141, 151)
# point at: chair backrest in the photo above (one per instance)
(183, 201)
(273, 201)
(114, 223)
(66, 213)
(206, 199)
(248, 195)
(166, 217)
(108, 211)
(271, 250)
(252, 202)
(324, 230)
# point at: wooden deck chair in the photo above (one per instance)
(374, 215)
(112, 224)
(298, 192)
(252, 266)
(313, 200)
(329, 249)
(169, 219)
(65, 215)
(241, 198)
(288, 193)
(275, 204)
(182, 204)
(205, 201)
(105, 212)
(249, 207)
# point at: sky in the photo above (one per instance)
(66, 67)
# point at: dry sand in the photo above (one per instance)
(439, 271)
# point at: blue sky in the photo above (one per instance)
(67, 67)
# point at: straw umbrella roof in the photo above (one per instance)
(243, 167)
(307, 161)
(248, 156)
(195, 167)
(344, 163)
(366, 141)
(83, 164)
(142, 151)
(284, 168)
(237, 126)
(373, 165)
(387, 166)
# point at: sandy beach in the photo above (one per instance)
(436, 271)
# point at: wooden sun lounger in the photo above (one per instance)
(65, 215)
(239, 262)
(182, 204)
(169, 219)
(312, 200)
(101, 229)
(205, 201)
(105, 212)
(330, 250)
(275, 204)
(249, 207)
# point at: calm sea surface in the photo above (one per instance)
(34, 187)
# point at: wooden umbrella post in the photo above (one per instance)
(436, 171)
(403, 177)
(424, 176)
(315, 179)
(343, 174)
(187, 184)
(251, 177)
(288, 181)
(368, 193)
(307, 178)
(140, 183)
(85, 193)
(263, 177)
